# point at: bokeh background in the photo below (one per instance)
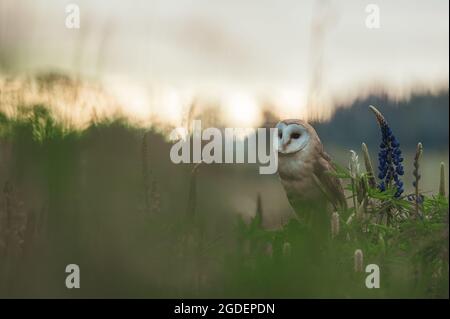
(85, 115)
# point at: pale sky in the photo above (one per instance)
(242, 48)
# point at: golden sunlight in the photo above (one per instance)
(241, 110)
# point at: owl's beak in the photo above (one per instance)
(283, 147)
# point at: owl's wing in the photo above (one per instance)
(324, 175)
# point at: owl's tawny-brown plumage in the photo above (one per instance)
(307, 173)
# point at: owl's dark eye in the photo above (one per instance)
(295, 135)
(280, 135)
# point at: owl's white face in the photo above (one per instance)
(291, 138)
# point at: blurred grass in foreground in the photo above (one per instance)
(109, 199)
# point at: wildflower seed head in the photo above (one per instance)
(442, 180)
(359, 260)
(286, 249)
(334, 225)
(417, 197)
(419, 151)
(369, 167)
(354, 165)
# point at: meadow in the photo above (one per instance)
(108, 198)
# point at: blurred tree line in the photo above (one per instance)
(423, 117)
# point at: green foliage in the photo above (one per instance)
(36, 121)
(412, 253)
(87, 186)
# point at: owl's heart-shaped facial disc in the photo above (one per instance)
(292, 138)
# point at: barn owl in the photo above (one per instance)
(306, 172)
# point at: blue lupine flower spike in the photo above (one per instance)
(390, 158)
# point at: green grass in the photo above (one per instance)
(80, 197)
